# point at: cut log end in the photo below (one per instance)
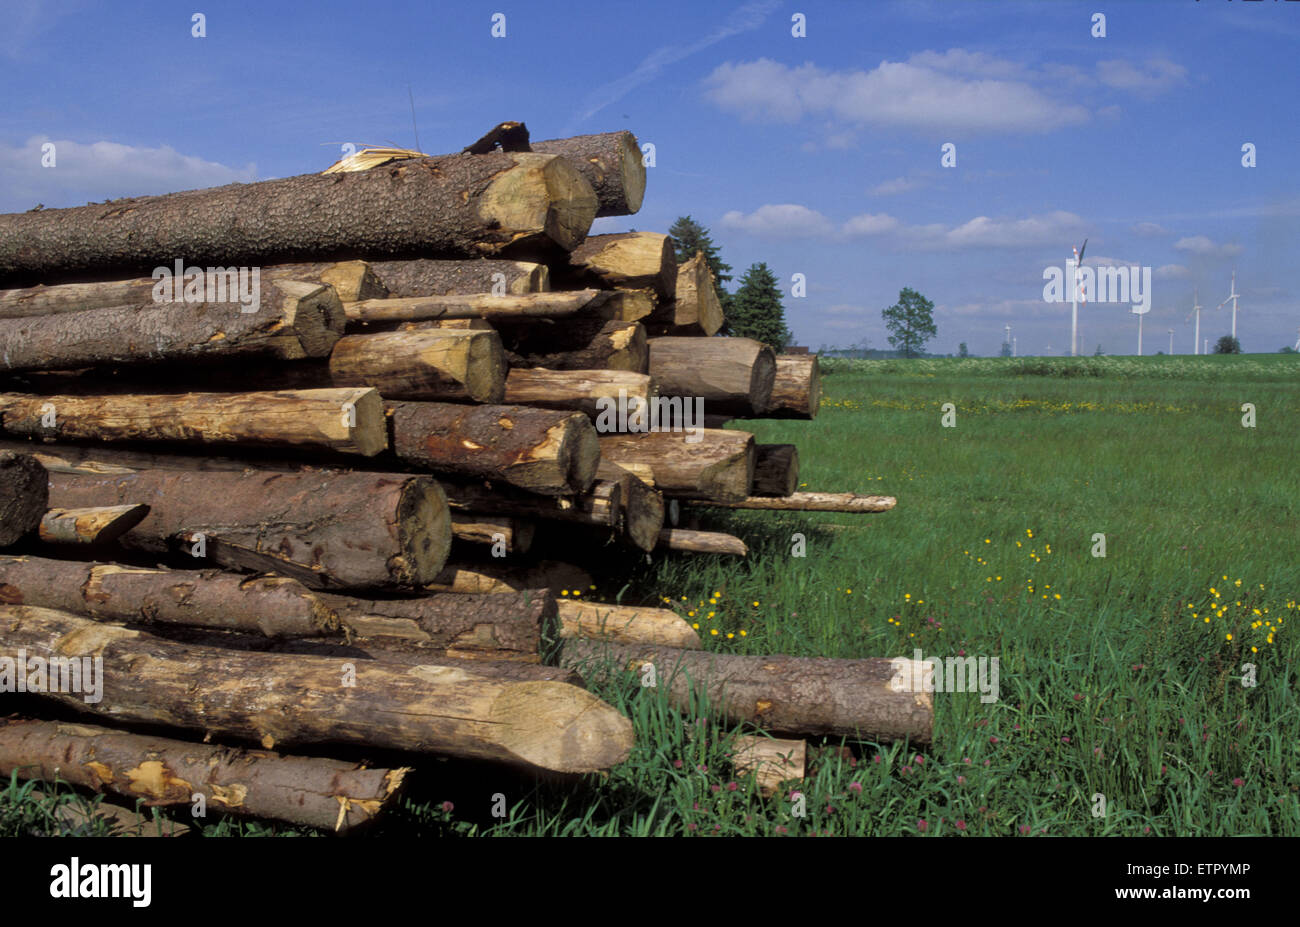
(539, 723)
(315, 314)
(24, 495)
(424, 525)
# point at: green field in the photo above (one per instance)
(1119, 676)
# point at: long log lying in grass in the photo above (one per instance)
(611, 162)
(732, 375)
(295, 701)
(540, 450)
(576, 344)
(589, 391)
(432, 277)
(294, 320)
(810, 502)
(694, 308)
(874, 699)
(718, 466)
(776, 469)
(470, 577)
(626, 624)
(328, 794)
(96, 525)
(628, 260)
(346, 420)
(24, 495)
(504, 533)
(702, 542)
(275, 606)
(326, 529)
(772, 761)
(797, 387)
(451, 205)
(430, 364)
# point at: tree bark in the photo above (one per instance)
(772, 761)
(373, 314)
(327, 794)
(702, 542)
(776, 470)
(797, 387)
(274, 606)
(326, 529)
(294, 320)
(349, 421)
(628, 260)
(580, 390)
(24, 495)
(611, 162)
(431, 277)
(812, 502)
(452, 205)
(694, 307)
(576, 344)
(873, 699)
(430, 364)
(478, 577)
(732, 375)
(515, 535)
(101, 525)
(625, 624)
(295, 701)
(719, 466)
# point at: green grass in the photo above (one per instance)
(1114, 688)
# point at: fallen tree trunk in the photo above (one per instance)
(772, 761)
(611, 162)
(693, 308)
(431, 277)
(812, 502)
(293, 320)
(349, 421)
(368, 314)
(576, 344)
(588, 391)
(326, 529)
(102, 525)
(513, 536)
(478, 577)
(732, 375)
(328, 794)
(429, 364)
(24, 495)
(702, 542)
(295, 701)
(274, 606)
(452, 205)
(540, 450)
(718, 466)
(776, 470)
(625, 624)
(628, 260)
(797, 387)
(874, 699)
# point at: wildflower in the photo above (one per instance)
(713, 631)
(677, 764)
(695, 625)
(961, 825)
(743, 632)
(1026, 829)
(961, 780)
(1239, 782)
(855, 787)
(923, 825)
(448, 807)
(730, 635)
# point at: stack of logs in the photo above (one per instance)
(275, 454)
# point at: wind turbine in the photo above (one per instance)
(1297, 341)
(1196, 311)
(1232, 296)
(1171, 341)
(1074, 299)
(1139, 313)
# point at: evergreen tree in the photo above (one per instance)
(688, 237)
(910, 322)
(756, 310)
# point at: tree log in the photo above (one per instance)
(102, 525)
(452, 205)
(540, 450)
(702, 542)
(797, 387)
(515, 535)
(24, 495)
(477, 577)
(430, 364)
(429, 277)
(626, 624)
(630, 260)
(694, 307)
(812, 502)
(294, 320)
(718, 466)
(349, 421)
(772, 761)
(326, 529)
(371, 314)
(295, 701)
(776, 470)
(601, 505)
(328, 794)
(873, 699)
(576, 344)
(275, 606)
(733, 375)
(642, 514)
(579, 390)
(611, 162)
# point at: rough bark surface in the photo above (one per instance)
(611, 162)
(24, 495)
(733, 375)
(796, 388)
(432, 277)
(719, 466)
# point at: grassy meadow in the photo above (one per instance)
(1120, 676)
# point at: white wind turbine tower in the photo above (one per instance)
(1074, 299)
(1139, 313)
(1297, 341)
(1196, 311)
(1232, 296)
(1171, 341)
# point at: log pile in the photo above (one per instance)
(281, 478)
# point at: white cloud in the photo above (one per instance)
(1155, 76)
(779, 221)
(103, 170)
(868, 224)
(1202, 246)
(894, 187)
(1171, 272)
(1052, 228)
(1149, 230)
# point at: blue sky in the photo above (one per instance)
(819, 155)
